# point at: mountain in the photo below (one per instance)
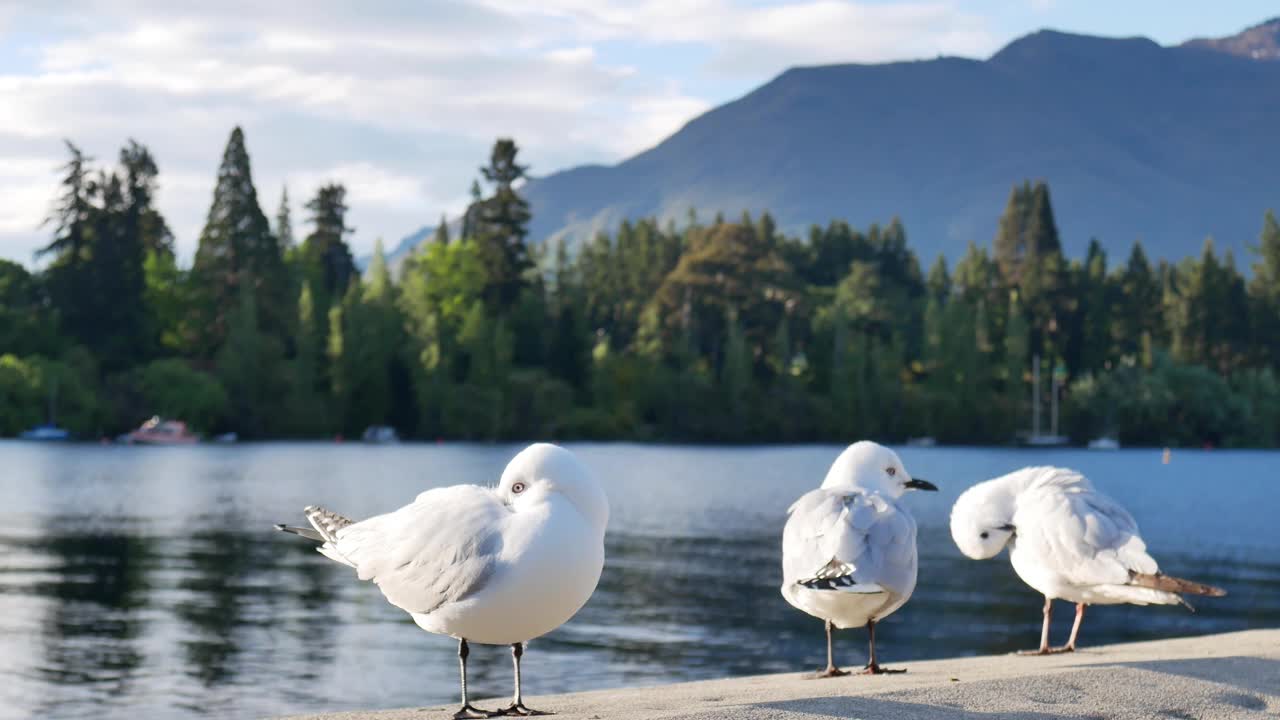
(1260, 42)
(1136, 140)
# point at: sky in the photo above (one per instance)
(401, 101)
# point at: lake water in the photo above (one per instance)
(147, 582)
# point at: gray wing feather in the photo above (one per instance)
(868, 534)
(1090, 538)
(442, 548)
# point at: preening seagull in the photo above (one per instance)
(849, 549)
(497, 566)
(1066, 540)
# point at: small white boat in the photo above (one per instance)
(1104, 443)
(380, 435)
(926, 441)
(47, 432)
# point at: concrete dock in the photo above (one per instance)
(1235, 675)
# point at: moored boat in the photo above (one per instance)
(380, 435)
(48, 432)
(159, 431)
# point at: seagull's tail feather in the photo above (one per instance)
(326, 525)
(837, 575)
(307, 533)
(326, 522)
(1168, 583)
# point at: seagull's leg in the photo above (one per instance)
(1075, 631)
(873, 667)
(517, 704)
(467, 710)
(831, 669)
(1043, 648)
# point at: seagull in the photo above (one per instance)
(849, 550)
(1068, 541)
(497, 566)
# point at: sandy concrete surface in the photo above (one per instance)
(1234, 676)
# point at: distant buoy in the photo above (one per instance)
(1164, 458)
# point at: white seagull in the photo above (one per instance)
(1067, 540)
(497, 566)
(849, 549)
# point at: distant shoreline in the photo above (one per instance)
(628, 442)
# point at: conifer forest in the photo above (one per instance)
(708, 329)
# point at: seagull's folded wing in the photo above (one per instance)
(867, 533)
(439, 549)
(1091, 539)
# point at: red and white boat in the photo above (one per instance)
(158, 431)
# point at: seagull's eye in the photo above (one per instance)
(984, 535)
(892, 471)
(518, 488)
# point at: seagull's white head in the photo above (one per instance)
(543, 470)
(982, 519)
(874, 468)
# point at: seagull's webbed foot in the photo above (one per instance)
(519, 709)
(829, 671)
(876, 669)
(1046, 651)
(471, 712)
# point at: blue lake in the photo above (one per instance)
(147, 582)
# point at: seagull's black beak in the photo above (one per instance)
(918, 484)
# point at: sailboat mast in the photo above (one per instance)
(1035, 396)
(1053, 400)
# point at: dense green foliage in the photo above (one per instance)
(710, 331)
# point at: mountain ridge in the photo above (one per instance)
(1167, 144)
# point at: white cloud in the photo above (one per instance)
(768, 38)
(24, 200)
(400, 103)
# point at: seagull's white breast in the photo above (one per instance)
(549, 564)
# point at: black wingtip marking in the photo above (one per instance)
(827, 583)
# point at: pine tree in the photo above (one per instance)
(1011, 243)
(144, 231)
(1094, 314)
(119, 332)
(69, 282)
(499, 224)
(1264, 292)
(284, 223)
(1138, 318)
(471, 219)
(237, 247)
(326, 256)
(939, 282)
(72, 213)
(442, 231)
(143, 219)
